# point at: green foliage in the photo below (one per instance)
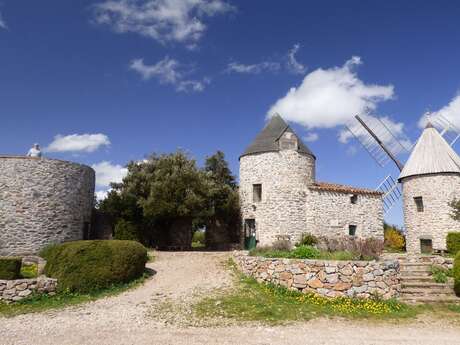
(252, 301)
(394, 239)
(440, 274)
(198, 239)
(453, 242)
(303, 252)
(29, 271)
(10, 267)
(125, 230)
(455, 209)
(456, 274)
(308, 240)
(84, 266)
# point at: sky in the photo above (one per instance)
(103, 82)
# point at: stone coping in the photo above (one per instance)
(4, 156)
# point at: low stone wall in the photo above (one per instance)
(16, 290)
(361, 279)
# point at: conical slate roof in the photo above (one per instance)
(267, 139)
(431, 155)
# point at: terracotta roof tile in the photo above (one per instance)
(339, 188)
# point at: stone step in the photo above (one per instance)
(427, 292)
(416, 278)
(415, 264)
(415, 274)
(430, 300)
(427, 285)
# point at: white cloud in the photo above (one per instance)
(2, 22)
(168, 71)
(254, 68)
(292, 64)
(162, 20)
(107, 173)
(311, 137)
(78, 143)
(327, 98)
(101, 194)
(451, 112)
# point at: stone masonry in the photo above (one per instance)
(42, 201)
(16, 290)
(362, 279)
(435, 221)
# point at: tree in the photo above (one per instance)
(455, 206)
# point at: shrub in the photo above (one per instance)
(10, 268)
(456, 274)
(198, 239)
(85, 266)
(125, 230)
(269, 252)
(362, 248)
(305, 252)
(440, 274)
(308, 240)
(394, 239)
(282, 244)
(453, 242)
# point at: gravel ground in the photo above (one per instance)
(156, 313)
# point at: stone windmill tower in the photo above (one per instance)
(430, 180)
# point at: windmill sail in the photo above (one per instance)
(448, 130)
(378, 140)
(391, 190)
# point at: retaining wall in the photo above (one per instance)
(16, 290)
(361, 279)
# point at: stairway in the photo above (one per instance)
(418, 285)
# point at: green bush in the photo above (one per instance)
(85, 266)
(456, 274)
(453, 242)
(10, 268)
(198, 239)
(305, 252)
(308, 240)
(125, 230)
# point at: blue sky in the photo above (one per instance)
(202, 75)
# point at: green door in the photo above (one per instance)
(249, 234)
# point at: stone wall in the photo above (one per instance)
(435, 221)
(16, 290)
(42, 201)
(330, 214)
(284, 176)
(360, 279)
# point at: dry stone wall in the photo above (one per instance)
(361, 279)
(16, 290)
(42, 201)
(435, 221)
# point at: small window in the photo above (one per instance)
(419, 202)
(354, 199)
(352, 230)
(257, 192)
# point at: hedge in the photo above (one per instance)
(10, 268)
(85, 266)
(457, 274)
(453, 242)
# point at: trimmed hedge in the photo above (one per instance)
(85, 266)
(453, 242)
(456, 274)
(125, 230)
(10, 268)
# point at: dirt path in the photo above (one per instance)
(128, 319)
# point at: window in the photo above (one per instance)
(256, 192)
(419, 202)
(352, 230)
(354, 199)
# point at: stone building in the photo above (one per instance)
(43, 201)
(281, 198)
(430, 181)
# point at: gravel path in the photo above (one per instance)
(141, 317)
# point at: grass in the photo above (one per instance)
(306, 252)
(40, 303)
(29, 271)
(251, 301)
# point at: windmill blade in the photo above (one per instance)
(391, 190)
(378, 140)
(448, 130)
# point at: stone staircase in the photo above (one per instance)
(418, 285)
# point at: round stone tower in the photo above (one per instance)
(275, 172)
(430, 181)
(43, 201)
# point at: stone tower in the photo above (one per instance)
(430, 180)
(275, 172)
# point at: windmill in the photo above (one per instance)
(384, 147)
